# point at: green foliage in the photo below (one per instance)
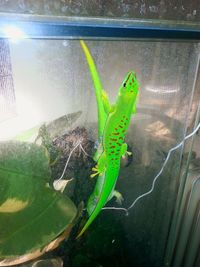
(31, 213)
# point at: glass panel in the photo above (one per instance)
(52, 80)
(179, 10)
(7, 96)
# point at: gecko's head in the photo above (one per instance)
(130, 85)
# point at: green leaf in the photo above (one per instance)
(31, 213)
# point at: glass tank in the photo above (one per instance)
(53, 92)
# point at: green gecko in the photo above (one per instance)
(100, 98)
(108, 165)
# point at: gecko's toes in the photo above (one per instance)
(93, 175)
(119, 200)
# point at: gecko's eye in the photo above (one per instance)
(124, 84)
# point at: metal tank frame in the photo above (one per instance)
(37, 27)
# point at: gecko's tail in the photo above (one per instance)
(102, 201)
(90, 220)
(84, 229)
(93, 215)
(106, 190)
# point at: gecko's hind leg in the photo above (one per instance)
(100, 168)
(117, 195)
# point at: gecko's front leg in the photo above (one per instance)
(124, 151)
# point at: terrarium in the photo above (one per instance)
(99, 123)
